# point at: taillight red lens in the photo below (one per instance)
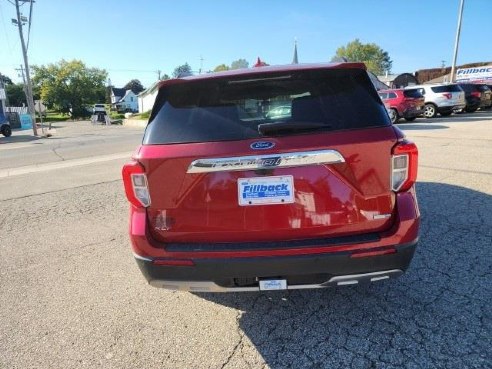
(447, 95)
(476, 94)
(135, 182)
(404, 163)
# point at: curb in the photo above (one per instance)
(135, 123)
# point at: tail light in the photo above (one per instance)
(476, 94)
(136, 187)
(404, 162)
(447, 95)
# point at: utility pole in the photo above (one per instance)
(30, 101)
(457, 41)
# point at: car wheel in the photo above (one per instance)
(471, 110)
(430, 111)
(410, 119)
(393, 114)
(446, 113)
(6, 130)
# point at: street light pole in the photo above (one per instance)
(457, 41)
(30, 102)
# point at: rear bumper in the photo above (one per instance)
(306, 271)
(311, 265)
(451, 108)
(413, 113)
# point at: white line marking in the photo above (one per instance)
(61, 164)
(8, 147)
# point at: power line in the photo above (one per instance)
(5, 29)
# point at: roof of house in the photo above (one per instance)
(151, 89)
(118, 91)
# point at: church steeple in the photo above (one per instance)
(295, 60)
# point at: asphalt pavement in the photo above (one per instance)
(73, 297)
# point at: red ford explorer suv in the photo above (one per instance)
(227, 197)
(404, 103)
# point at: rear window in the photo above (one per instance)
(483, 88)
(413, 93)
(446, 88)
(232, 108)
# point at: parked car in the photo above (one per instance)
(442, 99)
(98, 108)
(5, 129)
(226, 200)
(486, 98)
(477, 96)
(408, 103)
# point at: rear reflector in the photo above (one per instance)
(135, 182)
(364, 254)
(173, 262)
(404, 164)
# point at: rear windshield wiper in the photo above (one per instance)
(280, 127)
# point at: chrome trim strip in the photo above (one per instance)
(207, 286)
(141, 257)
(365, 277)
(254, 162)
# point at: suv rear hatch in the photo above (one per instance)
(220, 168)
(449, 95)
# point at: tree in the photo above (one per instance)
(376, 59)
(239, 64)
(15, 95)
(5, 80)
(165, 77)
(184, 69)
(135, 85)
(221, 68)
(70, 86)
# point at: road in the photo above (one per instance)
(72, 296)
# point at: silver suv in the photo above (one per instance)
(442, 99)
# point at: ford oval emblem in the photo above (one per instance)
(262, 145)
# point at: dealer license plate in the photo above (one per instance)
(266, 190)
(273, 284)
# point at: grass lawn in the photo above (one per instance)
(142, 116)
(53, 117)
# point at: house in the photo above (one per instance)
(124, 100)
(376, 82)
(399, 80)
(147, 97)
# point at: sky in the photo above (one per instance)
(134, 39)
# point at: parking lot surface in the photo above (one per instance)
(72, 296)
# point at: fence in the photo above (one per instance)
(16, 109)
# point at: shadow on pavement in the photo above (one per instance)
(18, 138)
(438, 315)
(420, 126)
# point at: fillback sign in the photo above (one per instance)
(474, 74)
